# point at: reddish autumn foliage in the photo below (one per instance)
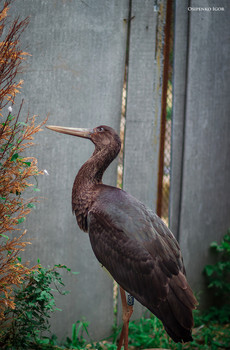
(16, 170)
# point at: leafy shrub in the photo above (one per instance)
(15, 170)
(34, 303)
(218, 278)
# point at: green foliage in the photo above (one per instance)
(210, 336)
(168, 112)
(169, 101)
(78, 341)
(218, 274)
(147, 333)
(34, 303)
(218, 278)
(217, 314)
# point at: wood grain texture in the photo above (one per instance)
(143, 104)
(143, 111)
(181, 37)
(76, 74)
(205, 204)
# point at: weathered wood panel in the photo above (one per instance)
(143, 101)
(76, 74)
(179, 105)
(143, 104)
(204, 204)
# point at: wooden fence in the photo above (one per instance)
(76, 74)
(200, 186)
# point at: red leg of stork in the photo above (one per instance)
(127, 311)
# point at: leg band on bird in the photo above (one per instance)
(127, 311)
(130, 300)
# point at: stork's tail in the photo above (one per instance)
(176, 311)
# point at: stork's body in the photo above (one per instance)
(130, 240)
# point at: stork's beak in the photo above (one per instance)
(86, 133)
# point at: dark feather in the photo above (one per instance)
(144, 258)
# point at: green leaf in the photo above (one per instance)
(10, 117)
(29, 314)
(5, 236)
(27, 163)
(14, 157)
(74, 336)
(209, 270)
(20, 220)
(36, 189)
(31, 205)
(57, 309)
(22, 123)
(214, 245)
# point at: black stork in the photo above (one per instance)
(131, 241)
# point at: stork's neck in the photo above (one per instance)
(92, 171)
(85, 185)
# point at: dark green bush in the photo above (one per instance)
(34, 303)
(218, 279)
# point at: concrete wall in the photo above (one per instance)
(76, 74)
(200, 186)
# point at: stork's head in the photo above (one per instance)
(103, 137)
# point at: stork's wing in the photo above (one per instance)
(143, 256)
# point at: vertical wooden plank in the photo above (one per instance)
(144, 103)
(76, 74)
(163, 107)
(205, 204)
(181, 31)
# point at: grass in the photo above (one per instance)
(149, 333)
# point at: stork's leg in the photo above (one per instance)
(127, 311)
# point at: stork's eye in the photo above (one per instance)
(100, 129)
